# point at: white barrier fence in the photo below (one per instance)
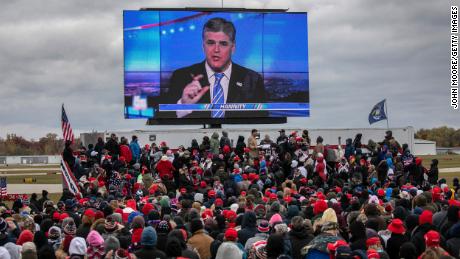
(29, 160)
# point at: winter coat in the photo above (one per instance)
(113, 147)
(240, 145)
(453, 243)
(258, 237)
(161, 242)
(99, 147)
(202, 243)
(248, 227)
(135, 150)
(165, 168)
(224, 140)
(67, 155)
(394, 244)
(380, 220)
(299, 239)
(319, 148)
(252, 144)
(214, 143)
(147, 253)
(126, 153)
(418, 237)
(317, 248)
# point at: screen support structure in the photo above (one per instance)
(212, 126)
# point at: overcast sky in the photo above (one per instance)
(360, 52)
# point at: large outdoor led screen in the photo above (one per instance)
(193, 64)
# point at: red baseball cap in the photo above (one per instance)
(231, 234)
(333, 246)
(63, 216)
(90, 213)
(219, 202)
(432, 238)
(372, 241)
(211, 194)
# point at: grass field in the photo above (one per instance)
(39, 179)
(29, 166)
(445, 161)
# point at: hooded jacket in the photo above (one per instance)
(135, 149)
(165, 167)
(418, 237)
(453, 243)
(229, 250)
(248, 227)
(224, 140)
(214, 143)
(201, 242)
(299, 239)
(394, 244)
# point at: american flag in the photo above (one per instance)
(66, 129)
(3, 190)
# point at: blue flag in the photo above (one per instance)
(378, 112)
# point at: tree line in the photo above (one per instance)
(444, 136)
(14, 145)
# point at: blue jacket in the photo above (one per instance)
(135, 150)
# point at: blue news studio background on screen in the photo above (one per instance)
(158, 42)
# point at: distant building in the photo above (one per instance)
(424, 147)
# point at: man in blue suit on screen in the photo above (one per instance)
(217, 80)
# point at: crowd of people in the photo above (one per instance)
(258, 199)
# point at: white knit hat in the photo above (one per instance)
(77, 246)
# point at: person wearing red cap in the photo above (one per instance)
(376, 245)
(332, 247)
(230, 249)
(319, 207)
(433, 248)
(397, 229)
(87, 220)
(425, 225)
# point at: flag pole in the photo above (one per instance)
(386, 111)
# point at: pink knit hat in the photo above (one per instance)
(275, 218)
(95, 245)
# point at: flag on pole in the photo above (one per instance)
(66, 129)
(3, 185)
(378, 112)
(69, 180)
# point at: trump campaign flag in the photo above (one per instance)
(378, 112)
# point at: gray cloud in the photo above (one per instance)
(360, 52)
